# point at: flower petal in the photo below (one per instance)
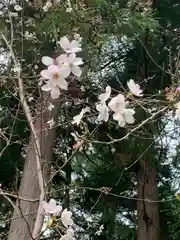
(61, 82)
(129, 116)
(62, 59)
(134, 88)
(105, 96)
(71, 58)
(117, 103)
(78, 61)
(120, 118)
(77, 118)
(64, 71)
(52, 202)
(76, 71)
(103, 112)
(46, 87)
(64, 43)
(47, 60)
(53, 69)
(75, 46)
(55, 93)
(46, 74)
(66, 218)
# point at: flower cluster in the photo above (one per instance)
(118, 105)
(58, 69)
(53, 209)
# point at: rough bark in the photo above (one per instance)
(25, 214)
(148, 212)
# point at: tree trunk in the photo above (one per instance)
(148, 212)
(25, 213)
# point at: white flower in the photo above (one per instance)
(55, 77)
(77, 118)
(178, 110)
(71, 62)
(51, 207)
(117, 103)
(134, 88)
(66, 218)
(51, 123)
(50, 107)
(125, 116)
(105, 96)
(69, 47)
(103, 111)
(69, 235)
(17, 8)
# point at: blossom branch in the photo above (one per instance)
(132, 131)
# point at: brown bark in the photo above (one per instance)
(25, 214)
(148, 212)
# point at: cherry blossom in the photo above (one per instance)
(55, 77)
(66, 218)
(117, 103)
(105, 96)
(103, 111)
(69, 235)
(71, 63)
(77, 118)
(134, 88)
(124, 116)
(51, 207)
(69, 47)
